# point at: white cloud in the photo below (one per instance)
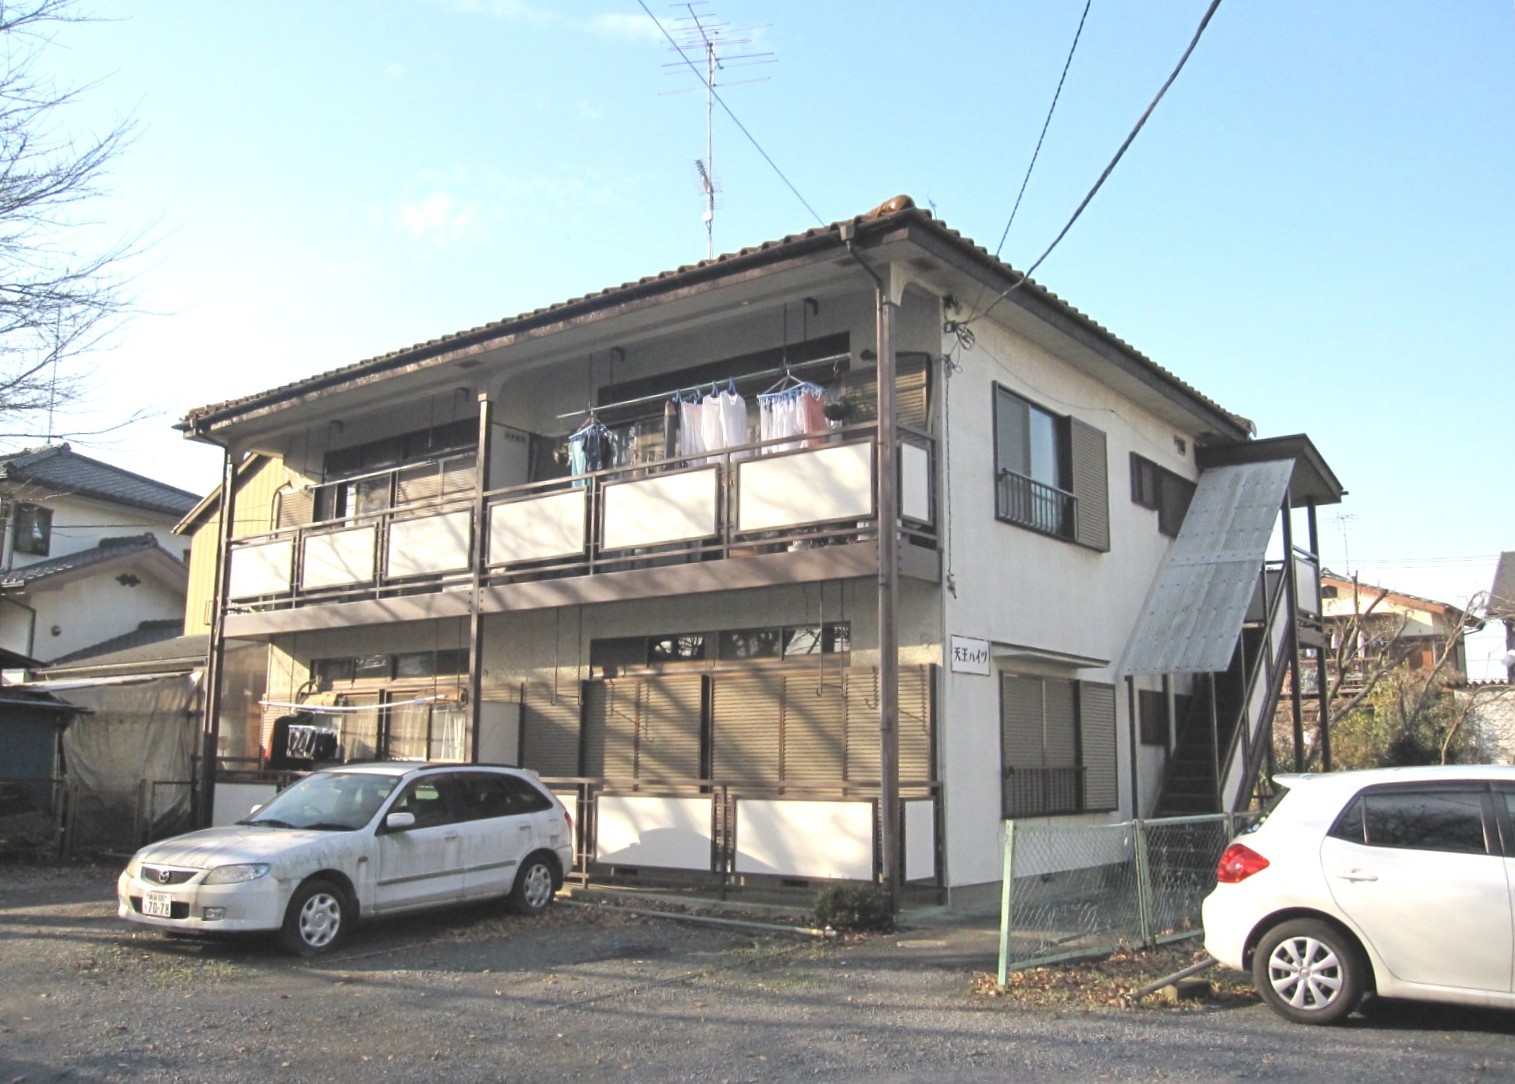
(439, 219)
(394, 70)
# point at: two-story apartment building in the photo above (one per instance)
(815, 560)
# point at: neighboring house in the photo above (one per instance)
(633, 541)
(1501, 607)
(87, 552)
(1370, 626)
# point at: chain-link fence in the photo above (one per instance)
(1074, 890)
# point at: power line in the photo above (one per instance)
(1045, 125)
(1141, 122)
(722, 103)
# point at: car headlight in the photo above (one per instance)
(231, 875)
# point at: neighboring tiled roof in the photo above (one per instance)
(60, 469)
(145, 640)
(895, 213)
(109, 549)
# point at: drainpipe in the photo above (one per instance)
(887, 501)
(216, 657)
(1291, 589)
(1321, 689)
(480, 556)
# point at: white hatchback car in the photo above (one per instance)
(358, 840)
(1395, 882)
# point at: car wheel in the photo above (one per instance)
(1309, 972)
(316, 920)
(534, 887)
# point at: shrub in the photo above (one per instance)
(853, 908)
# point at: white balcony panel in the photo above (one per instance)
(429, 544)
(262, 569)
(669, 833)
(339, 558)
(920, 840)
(805, 839)
(807, 487)
(538, 529)
(664, 508)
(915, 483)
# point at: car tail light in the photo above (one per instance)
(567, 816)
(1239, 863)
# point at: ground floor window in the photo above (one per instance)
(1057, 740)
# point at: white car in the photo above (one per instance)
(1394, 882)
(357, 841)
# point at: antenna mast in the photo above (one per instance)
(699, 30)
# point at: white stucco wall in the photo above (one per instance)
(1029, 593)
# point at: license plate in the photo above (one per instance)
(158, 904)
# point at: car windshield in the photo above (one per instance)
(326, 801)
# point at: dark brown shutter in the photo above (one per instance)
(1091, 485)
(612, 711)
(916, 686)
(1096, 732)
(550, 728)
(1021, 745)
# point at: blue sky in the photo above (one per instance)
(1314, 228)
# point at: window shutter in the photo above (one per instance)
(917, 684)
(1091, 485)
(550, 731)
(612, 716)
(815, 726)
(745, 713)
(669, 745)
(1021, 745)
(296, 507)
(1096, 737)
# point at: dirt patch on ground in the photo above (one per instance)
(1113, 981)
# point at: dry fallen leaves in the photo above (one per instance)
(1110, 982)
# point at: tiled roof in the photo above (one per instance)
(146, 640)
(895, 213)
(109, 549)
(61, 469)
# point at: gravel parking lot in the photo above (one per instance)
(593, 993)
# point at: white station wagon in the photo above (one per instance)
(358, 841)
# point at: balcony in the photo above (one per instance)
(1029, 503)
(745, 517)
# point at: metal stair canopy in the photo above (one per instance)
(1199, 604)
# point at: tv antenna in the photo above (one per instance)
(698, 31)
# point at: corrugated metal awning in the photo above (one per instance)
(1196, 612)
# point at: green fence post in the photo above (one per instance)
(1143, 881)
(1004, 903)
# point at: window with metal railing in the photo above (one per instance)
(1050, 472)
(1030, 503)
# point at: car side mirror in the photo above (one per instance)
(396, 821)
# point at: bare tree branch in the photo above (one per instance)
(58, 297)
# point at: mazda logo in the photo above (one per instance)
(164, 876)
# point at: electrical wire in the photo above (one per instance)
(1141, 122)
(1045, 125)
(742, 127)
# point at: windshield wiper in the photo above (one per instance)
(266, 822)
(328, 826)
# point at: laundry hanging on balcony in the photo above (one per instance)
(792, 408)
(590, 448)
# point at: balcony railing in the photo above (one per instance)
(1029, 503)
(737, 503)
